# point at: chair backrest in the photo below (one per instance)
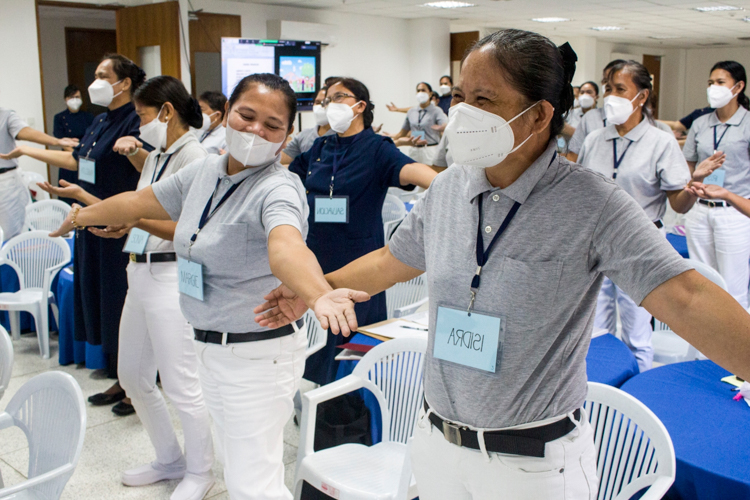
(393, 208)
(708, 272)
(634, 450)
(6, 360)
(393, 372)
(29, 180)
(2, 237)
(404, 294)
(51, 411)
(36, 257)
(46, 215)
(316, 336)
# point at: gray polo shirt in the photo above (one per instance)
(594, 119)
(233, 245)
(302, 142)
(443, 157)
(573, 117)
(652, 163)
(10, 125)
(423, 119)
(543, 277)
(736, 144)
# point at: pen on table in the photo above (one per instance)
(413, 328)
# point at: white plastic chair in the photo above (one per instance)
(316, 336)
(50, 410)
(46, 215)
(6, 360)
(394, 212)
(634, 450)
(405, 294)
(392, 371)
(668, 346)
(35, 192)
(400, 312)
(36, 258)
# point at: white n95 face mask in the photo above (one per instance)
(422, 97)
(617, 110)
(340, 116)
(249, 149)
(719, 95)
(74, 104)
(102, 92)
(155, 132)
(320, 114)
(586, 101)
(478, 138)
(445, 89)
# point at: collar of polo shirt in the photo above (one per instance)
(634, 135)
(735, 120)
(519, 190)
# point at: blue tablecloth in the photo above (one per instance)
(71, 350)
(679, 243)
(608, 361)
(708, 428)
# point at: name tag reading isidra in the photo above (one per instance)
(190, 278)
(472, 340)
(716, 178)
(136, 242)
(87, 170)
(419, 134)
(332, 209)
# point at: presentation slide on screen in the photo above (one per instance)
(299, 72)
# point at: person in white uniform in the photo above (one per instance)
(14, 195)
(154, 335)
(242, 222)
(647, 163)
(213, 137)
(521, 238)
(423, 122)
(302, 142)
(717, 234)
(587, 97)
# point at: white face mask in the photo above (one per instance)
(340, 116)
(320, 114)
(586, 101)
(719, 95)
(617, 110)
(249, 149)
(445, 89)
(478, 138)
(74, 104)
(102, 92)
(155, 132)
(422, 97)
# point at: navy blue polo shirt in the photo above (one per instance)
(73, 125)
(687, 122)
(445, 103)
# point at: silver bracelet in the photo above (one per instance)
(135, 151)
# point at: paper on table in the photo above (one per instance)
(398, 329)
(421, 318)
(733, 380)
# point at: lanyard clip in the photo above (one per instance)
(471, 302)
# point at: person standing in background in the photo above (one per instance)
(72, 122)
(213, 139)
(304, 140)
(446, 87)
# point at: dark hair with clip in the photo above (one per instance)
(70, 91)
(360, 93)
(125, 68)
(272, 82)
(536, 68)
(738, 75)
(448, 77)
(641, 78)
(593, 84)
(215, 100)
(429, 87)
(167, 89)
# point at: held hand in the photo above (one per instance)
(67, 225)
(439, 128)
(335, 310)
(708, 191)
(377, 129)
(67, 142)
(111, 232)
(16, 153)
(126, 145)
(282, 306)
(222, 152)
(418, 141)
(708, 165)
(66, 189)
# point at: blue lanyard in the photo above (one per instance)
(336, 159)
(154, 177)
(716, 143)
(207, 214)
(421, 114)
(207, 133)
(618, 161)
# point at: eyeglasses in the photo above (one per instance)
(336, 98)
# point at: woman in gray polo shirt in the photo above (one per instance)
(421, 121)
(532, 294)
(242, 220)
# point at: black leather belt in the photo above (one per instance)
(523, 442)
(153, 257)
(5, 170)
(210, 337)
(425, 145)
(714, 204)
(659, 224)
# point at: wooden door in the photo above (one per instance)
(653, 65)
(460, 43)
(151, 25)
(84, 48)
(205, 48)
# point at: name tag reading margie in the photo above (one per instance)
(190, 278)
(332, 209)
(471, 340)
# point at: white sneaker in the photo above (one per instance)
(193, 486)
(153, 473)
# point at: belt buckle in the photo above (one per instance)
(452, 433)
(132, 257)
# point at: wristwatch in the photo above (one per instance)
(135, 151)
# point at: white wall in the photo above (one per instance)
(698, 63)
(20, 85)
(429, 50)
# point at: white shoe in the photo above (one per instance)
(153, 473)
(193, 486)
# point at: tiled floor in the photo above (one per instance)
(112, 444)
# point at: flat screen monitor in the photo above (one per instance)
(298, 62)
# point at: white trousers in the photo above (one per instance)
(444, 471)
(636, 322)
(14, 197)
(423, 154)
(720, 237)
(249, 389)
(154, 335)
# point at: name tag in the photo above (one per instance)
(190, 278)
(419, 134)
(474, 341)
(334, 209)
(87, 170)
(136, 242)
(716, 178)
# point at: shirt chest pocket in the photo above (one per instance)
(226, 252)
